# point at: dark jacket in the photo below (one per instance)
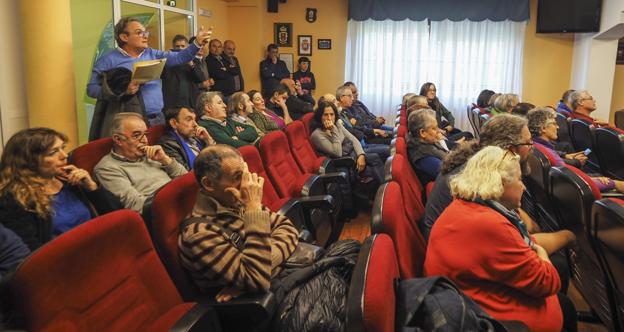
(180, 84)
(435, 303)
(236, 72)
(226, 134)
(425, 158)
(35, 231)
(299, 105)
(271, 74)
(362, 115)
(174, 149)
(12, 251)
(326, 281)
(113, 100)
(307, 80)
(220, 72)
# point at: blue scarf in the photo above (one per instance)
(187, 149)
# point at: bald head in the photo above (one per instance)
(229, 48)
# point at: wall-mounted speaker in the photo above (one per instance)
(272, 6)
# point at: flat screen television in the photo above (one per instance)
(568, 16)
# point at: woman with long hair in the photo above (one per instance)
(330, 138)
(445, 118)
(265, 119)
(41, 195)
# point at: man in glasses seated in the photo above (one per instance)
(134, 170)
(132, 47)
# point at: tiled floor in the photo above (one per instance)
(359, 229)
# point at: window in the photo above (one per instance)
(387, 59)
(162, 18)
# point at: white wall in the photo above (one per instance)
(593, 61)
(13, 110)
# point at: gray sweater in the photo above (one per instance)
(133, 182)
(331, 144)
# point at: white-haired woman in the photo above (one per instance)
(482, 246)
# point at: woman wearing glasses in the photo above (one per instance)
(41, 195)
(482, 245)
(543, 128)
(445, 118)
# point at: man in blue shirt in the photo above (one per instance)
(132, 47)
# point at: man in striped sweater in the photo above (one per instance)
(238, 244)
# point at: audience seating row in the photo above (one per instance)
(566, 195)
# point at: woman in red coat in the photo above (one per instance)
(481, 244)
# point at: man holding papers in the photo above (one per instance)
(132, 47)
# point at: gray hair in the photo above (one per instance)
(420, 120)
(538, 119)
(342, 90)
(506, 101)
(503, 130)
(576, 97)
(234, 101)
(412, 103)
(117, 126)
(208, 162)
(205, 98)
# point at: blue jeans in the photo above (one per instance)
(155, 119)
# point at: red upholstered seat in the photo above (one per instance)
(389, 217)
(402, 172)
(400, 147)
(172, 204)
(402, 130)
(280, 165)
(307, 120)
(88, 155)
(371, 301)
(154, 133)
(104, 275)
(302, 149)
(270, 198)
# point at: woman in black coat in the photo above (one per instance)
(445, 118)
(41, 195)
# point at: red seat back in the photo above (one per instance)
(270, 197)
(103, 275)
(389, 217)
(172, 204)
(401, 147)
(154, 133)
(307, 120)
(371, 300)
(88, 155)
(301, 149)
(280, 166)
(402, 130)
(411, 188)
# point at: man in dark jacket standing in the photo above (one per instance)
(272, 71)
(181, 84)
(184, 138)
(220, 69)
(229, 48)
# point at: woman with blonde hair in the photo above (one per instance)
(481, 244)
(41, 195)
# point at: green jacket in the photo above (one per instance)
(262, 122)
(226, 134)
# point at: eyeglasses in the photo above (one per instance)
(588, 98)
(140, 33)
(529, 143)
(137, 136)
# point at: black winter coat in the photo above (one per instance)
(314, 298)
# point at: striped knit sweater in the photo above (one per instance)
(213, 261)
